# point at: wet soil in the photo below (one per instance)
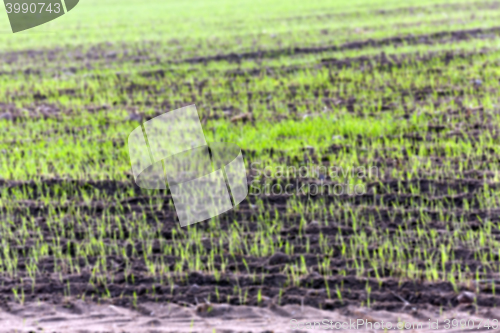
(256, 277)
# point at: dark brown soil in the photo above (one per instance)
(260, 273)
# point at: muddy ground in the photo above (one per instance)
(82, 317)
(266, 274)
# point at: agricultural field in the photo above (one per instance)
(370, 133)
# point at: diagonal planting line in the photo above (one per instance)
(433, 37)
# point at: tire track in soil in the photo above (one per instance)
(429, 39)
(459, 7)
